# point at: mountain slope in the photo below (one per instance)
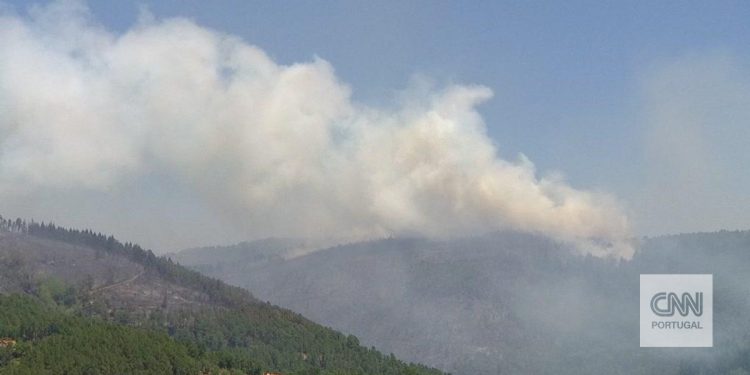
(508, 302)
(49, 340)
(96, 277)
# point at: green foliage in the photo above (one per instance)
(219, 292)
(53, 342)
(240, 334)
(54, 291)
(283, 341)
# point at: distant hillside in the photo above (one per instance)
(508, 302)
(92, 287)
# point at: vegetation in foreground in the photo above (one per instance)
(61, 328)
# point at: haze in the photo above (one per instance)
(164, 125)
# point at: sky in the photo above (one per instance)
(643, 103)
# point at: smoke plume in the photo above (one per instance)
(283, 149)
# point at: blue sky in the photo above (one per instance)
(566, 75)
(573, 81)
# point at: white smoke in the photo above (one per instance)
(283, 149)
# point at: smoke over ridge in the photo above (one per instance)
(283, 147)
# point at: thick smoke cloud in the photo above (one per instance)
(283, 149)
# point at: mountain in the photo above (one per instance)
(76, 301)
(505, 303)
(39, 338)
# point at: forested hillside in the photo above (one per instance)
(91, 299)
(507, 302)
(47, 339)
